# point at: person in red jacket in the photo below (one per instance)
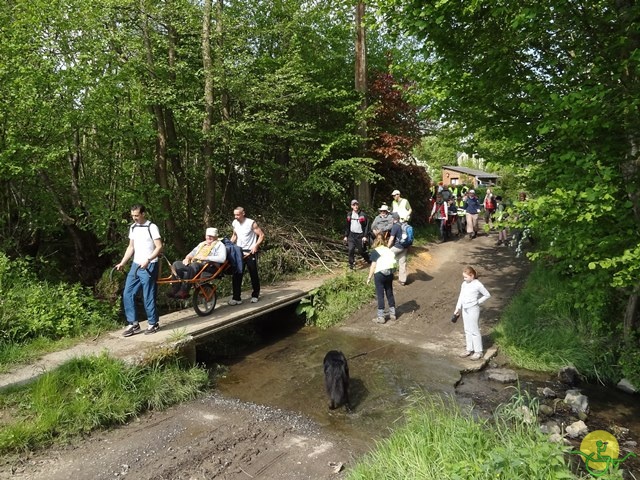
(356, 233)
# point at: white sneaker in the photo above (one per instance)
(234, 302)
(254, 299)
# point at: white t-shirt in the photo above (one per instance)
(245, 236)
(143, 237)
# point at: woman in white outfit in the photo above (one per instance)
(472, 295)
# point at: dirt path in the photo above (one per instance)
(220, 438)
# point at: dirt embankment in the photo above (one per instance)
(216, 437)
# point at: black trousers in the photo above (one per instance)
(355, 242)
(250, 263)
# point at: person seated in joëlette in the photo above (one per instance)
(212, 251)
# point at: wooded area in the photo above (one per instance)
(191, 108)
(294, 106)
(556, 86)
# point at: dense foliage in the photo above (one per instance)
(189, 107)
(558, 83)
(31, 308)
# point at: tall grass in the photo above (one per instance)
(542, 330)
(90, 393)
(441, 441)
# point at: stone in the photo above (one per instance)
(577, 401)
(527, 415)
(550, 428)
(569, 375)
(577, 429)
(545, 409)
(555, 438)
(502, 375)
(548, 393)
(626, 386)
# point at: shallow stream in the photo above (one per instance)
(282, 368)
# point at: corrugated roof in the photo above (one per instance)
(471, 171)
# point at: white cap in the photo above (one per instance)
(384, 208)
(211, 232)
(395, 192)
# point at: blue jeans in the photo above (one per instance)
(137, 279)
(384, 286)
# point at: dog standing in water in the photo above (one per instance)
(336, 379)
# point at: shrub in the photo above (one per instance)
(335, 300)
(30, 308)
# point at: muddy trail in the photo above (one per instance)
(268, 417)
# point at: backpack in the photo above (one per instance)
(406, 240)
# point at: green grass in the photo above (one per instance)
(441, 441)
(25, 352)
(90, 393)
(541, 330)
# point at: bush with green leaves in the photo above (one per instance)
(31, 308)
(335, 300)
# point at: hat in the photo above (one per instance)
(211, 232)
(384, 208)
(471, 191)
(354, 202)
(395, 192)
(395, 215)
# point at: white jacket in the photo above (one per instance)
(472, 294)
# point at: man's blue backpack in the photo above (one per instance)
(406, 240)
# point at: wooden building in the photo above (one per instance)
(454, 175)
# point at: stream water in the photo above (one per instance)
(277, 361)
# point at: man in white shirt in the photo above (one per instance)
(145, 245)
(248, 236)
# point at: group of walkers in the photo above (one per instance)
(145, 246)
(462, 212)
(389, 236)
(388, 252)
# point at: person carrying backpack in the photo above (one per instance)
(400, 239)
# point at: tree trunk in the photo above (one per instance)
(363, 190)
(631, 173)
(225, 100)
(207, 150)
(161, 154)
(88, 263)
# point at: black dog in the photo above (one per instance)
(336, 379)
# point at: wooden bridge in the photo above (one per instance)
(184, 324)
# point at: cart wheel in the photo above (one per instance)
(205, 297)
